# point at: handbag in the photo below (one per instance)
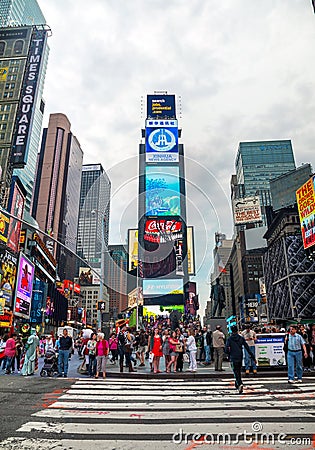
(151, 357)
(186, 357)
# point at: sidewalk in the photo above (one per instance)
(113, 371)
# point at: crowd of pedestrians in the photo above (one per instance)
(161, 339)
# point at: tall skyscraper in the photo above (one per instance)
(258, 162)
(19, 54)
(20, 12)
(93, 227)
(116, 276)
(163, 262)
(57, 190)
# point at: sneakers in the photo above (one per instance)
(254, 372)
(240, 389)
(247, 373)
(299, 381)
(292, 381)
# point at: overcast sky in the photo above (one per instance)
(244, 70)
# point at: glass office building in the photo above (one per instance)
(93, 214)
(20, 12)
(258, 162)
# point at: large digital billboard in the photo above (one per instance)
(161, 141)
(24, 288)
(4, 228)
(162, 191)
(132, 249)
(8, 268)
(305, 197)
(161, 106)
(154, 288)
(162, 230)
(17, 210)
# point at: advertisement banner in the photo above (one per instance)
(162, 230)
(132, 249)
(246, 210)
(28, 97)
(6, 319)
(17, 210)
(88, 277)
(4, 228)
(8, 266)
(161, 106)
(24, 287)
(162, 191)
(154, 287)
(4, 73)
(38, 301)
(190, 251)
(161, 142)
(269, 349)
(305, 197)
(251, 310)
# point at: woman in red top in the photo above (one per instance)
(173, 341)
(101, 354)
(157, 350)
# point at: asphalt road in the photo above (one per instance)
(21, 396)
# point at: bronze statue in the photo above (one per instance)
(218, 297)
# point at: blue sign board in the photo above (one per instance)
(161, 143)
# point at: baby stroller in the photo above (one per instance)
(50, 367)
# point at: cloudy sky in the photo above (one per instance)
(241, 69)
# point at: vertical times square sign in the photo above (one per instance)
(28, 98)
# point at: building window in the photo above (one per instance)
(18, 47)
(4, 116)
(2, 136)
(8, 95)
(5, 107)
(10, 85)
(3, 126)
(2, 48)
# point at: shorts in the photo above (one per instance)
(141, 349)
(173, 354)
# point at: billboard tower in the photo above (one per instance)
(162, 230)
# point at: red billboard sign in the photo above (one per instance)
(162, 230)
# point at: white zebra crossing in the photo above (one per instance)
(165, 414)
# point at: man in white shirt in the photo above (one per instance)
(250, 338)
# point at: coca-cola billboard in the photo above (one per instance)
(162, 230)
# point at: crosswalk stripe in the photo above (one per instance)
(138, 414)
(168, 429)
(184, 406)
(147, 414)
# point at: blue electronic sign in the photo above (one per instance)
(161, 141)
